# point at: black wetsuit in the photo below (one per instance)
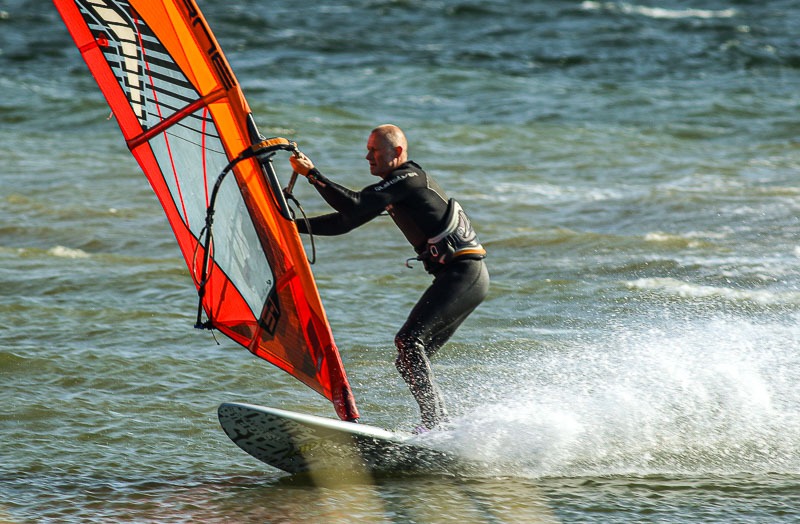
(419, 207)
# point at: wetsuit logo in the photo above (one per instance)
(395, 180)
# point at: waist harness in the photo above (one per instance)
(457, 239)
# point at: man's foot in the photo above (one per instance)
(419, 430)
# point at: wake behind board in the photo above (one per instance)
(300, 443)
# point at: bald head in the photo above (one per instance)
(387, 149)
(392, 136)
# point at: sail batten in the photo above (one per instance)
(185, 120)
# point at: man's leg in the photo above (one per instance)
(454, 294)
(415, 368)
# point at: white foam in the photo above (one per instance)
(701, 397)
(658, 12)
(65, 252)
(661, 237)
(672, 286)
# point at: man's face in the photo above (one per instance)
(382, 159)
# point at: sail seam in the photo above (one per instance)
(159, 128)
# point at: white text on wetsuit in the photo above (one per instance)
(395, 180)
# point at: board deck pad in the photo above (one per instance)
(300, 443)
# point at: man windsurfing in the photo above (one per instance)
(440, 233)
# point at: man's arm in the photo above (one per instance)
(330, 224)
(354, 208)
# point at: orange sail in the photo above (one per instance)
(186, 121)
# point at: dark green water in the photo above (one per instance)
(632, 169)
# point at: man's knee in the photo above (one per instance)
(410, 352)
(402, 341)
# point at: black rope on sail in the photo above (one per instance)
(262, 148)
(289, 195)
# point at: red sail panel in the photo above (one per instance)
(184, 118)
